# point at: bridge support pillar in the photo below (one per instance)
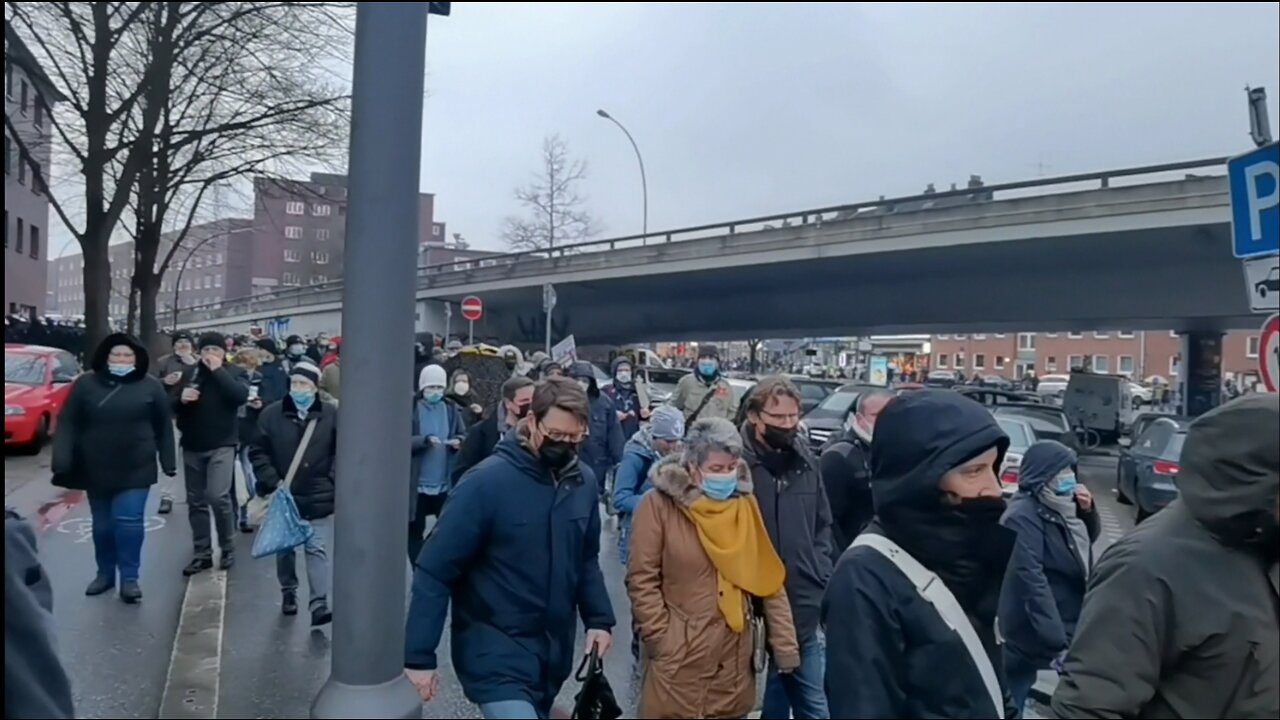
(1200, 372)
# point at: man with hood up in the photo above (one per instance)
(1181, 619)
(846, 471)
(628, 395)
(910, 610)
(602, 450)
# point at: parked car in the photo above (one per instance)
(1098, 402)
(998, 382)
(940, 379)
(990, 397)
(36, 383)
(1146, 475)
(660, 382)
(1021, 436)
(813, 390)
(1140, 394)
(1053, 386)
(829, 417)
(1047, 421)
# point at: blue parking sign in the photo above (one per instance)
(1254, 180)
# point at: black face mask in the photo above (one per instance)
(521, 411)
(557, 454)
(780, 438)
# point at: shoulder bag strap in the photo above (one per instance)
(706, 400)
(302, 450)
(931, 588)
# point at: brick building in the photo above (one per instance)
(29, 95)
(1137, 354)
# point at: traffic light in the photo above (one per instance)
(438, 8)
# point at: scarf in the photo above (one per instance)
(734, 537)
(1065, 505)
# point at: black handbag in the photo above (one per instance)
(595, 700)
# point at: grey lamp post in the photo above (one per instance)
(644, 182)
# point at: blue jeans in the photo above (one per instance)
(119, 524)
(514, 709)
(802, 691)
(1020, 674)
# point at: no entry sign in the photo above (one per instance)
(1269, 353)
(472, 308)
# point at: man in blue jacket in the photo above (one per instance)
(910, 610)
(516, 552)
(1043, 591)
(631, 481)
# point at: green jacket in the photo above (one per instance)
(692, 389)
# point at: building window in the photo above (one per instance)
(288, 279)
(39, 117)
(295, 207)
(942, 337)
(1000, 361)
(1051, 364)
(942, 361)
(1075, 362)
(1000, 335)
(35, 242)
(959, 361)
(1101, 364)
(1252, 346)
(1173, 365)
(435, 230)
(217, 281)
(1125, 334)
(1026, 341)
(322, 209)
(319, 279)
(208, 282)
(1125, 365)
(320, 258)
(37, 179)
(25, 97)
(1051, 334)
(1101, 335)
(1075, 335)
(20, 236)
(979, 361)
(292, 256)
(22, 168)
(293, 232)
(322, 234)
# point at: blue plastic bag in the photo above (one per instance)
(283, 529)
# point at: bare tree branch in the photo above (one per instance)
(556, 210)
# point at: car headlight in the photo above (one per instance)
(11, 410)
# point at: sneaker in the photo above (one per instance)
(289, 606)
(166, 505)
(245, 527)
(197, 566)
(227, 561)
(100, 584)
(321, 615)
(130, 592)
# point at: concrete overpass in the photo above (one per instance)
(1126, 249)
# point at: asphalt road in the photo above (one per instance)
(271, 666)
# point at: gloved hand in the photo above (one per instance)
(1058, 662)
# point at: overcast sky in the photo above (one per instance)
(745, 109)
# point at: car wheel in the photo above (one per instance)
(40, 439)
(1142, 515)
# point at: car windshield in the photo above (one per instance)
(1019, 438)
(1041, 418)
(1174, 450)
(24, 369)
(839, 402)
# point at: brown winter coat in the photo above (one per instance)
(695, 666)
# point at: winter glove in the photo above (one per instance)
(1058, 662)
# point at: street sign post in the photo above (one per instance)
(448, 319)
(1254, 182)
(548, 304)
(472, 310)
(1262, 283)
(1269, 353)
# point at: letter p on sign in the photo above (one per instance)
(1254, 181)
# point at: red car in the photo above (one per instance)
(36, 383)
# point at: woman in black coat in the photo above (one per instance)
(115, 424)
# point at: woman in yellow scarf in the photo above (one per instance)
(701, 568)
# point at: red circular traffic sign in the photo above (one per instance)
(472, 308)
(1269, 353)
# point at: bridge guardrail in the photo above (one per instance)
(282, 300)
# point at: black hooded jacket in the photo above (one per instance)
(213, 421)
(112, 429)
(890, 654)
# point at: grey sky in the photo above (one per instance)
(749, 108)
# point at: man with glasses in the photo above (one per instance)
(793, 502)
(517, 551)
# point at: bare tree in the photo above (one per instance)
(557, 214)
(246, 98)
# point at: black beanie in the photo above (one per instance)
(268, 345)
(212, 339)
(183, 335)
(708, 351)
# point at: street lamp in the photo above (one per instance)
(644, 183)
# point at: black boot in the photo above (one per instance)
(130, 592)
(197, 566)
(166, 505)
(321, 615)
(100, 584)
(289, 605)
(228, 560)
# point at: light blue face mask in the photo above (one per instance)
(719, 487)
(1065, 483)
(120, 369)
(707, 368)
(302, 399)
(434, 396)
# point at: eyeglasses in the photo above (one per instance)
(788, 418)
(561, 436)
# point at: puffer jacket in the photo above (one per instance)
(1044, 589)
(690, 392)
(630, 483)
(696, 665)
(280, 432)
(1182, 618)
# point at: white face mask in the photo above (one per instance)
(462, 387)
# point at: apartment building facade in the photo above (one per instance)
(29, 98)
(1137, 354)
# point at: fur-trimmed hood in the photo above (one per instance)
(671, 478)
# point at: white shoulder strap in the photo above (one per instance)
(931, 588)
(302, 450)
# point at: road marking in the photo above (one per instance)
(1111, 527)
(83, 527)
(191, 688)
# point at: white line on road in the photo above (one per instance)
(191, 689)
